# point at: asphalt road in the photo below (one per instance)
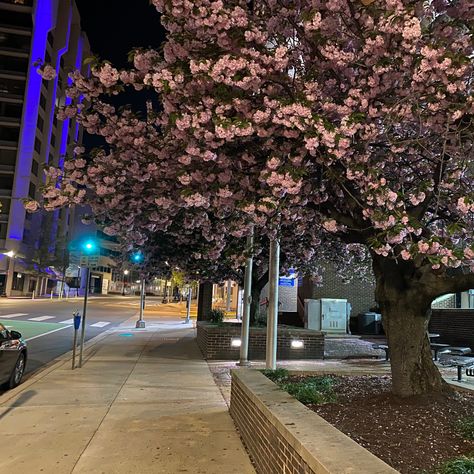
(47, 324)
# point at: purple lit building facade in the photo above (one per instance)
(32, 246)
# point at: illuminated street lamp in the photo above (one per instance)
(8, 287)
(125, 273)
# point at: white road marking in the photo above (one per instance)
(46, 333)
(41, 318)
(100, 324)
(12, 315)
(67, 321)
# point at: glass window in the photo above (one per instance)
(37, 145)
(6, 182)
(18, 281)
(40, 123)
(3, 231)
(8, 157)
(34, 167)
(32, 191)
(50, 38)
(43, 101)
(53, 139)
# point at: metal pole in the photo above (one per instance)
(244, 337)
(272, 317)
(229, 295)
(141, 323)
(33, 295)
(188, 306)
(84, 311)
(74, 344)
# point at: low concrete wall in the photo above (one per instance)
(215, 342)
(455, 326)
(283, 436)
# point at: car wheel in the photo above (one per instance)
(18, 371)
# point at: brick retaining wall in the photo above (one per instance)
(215, 342)
(283, 436)
(455, 326)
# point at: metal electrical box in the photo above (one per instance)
(328, 315)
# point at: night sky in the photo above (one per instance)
(114, 28)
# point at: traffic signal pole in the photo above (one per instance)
(84, 311)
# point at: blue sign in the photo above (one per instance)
(286, 281)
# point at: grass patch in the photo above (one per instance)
(465, 427)
(463, 465)
(308, 390)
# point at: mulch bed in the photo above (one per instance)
(412, 436)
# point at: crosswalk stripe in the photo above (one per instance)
(12, 315)
(67, 321)
(100, 324)
(41, 318)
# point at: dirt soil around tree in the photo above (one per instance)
(412, 436)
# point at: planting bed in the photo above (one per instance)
(416, 436)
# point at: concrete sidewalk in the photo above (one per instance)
(144, 402)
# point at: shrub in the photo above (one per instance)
(277, 375)
(463, 465)
(216, 316)
(315, 390)
(466, 427)
(308, 390)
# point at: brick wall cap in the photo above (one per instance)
(323, 447)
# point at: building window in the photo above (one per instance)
(37, 145)
(40, 123)
(32, 191)
(18, 281)
(43, 101)
(8, 157)
(34, 167)
(53, 139)
(50, 38)
(3, 231)
(47, 57)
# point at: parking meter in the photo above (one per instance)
(77, 320)
(77, 323)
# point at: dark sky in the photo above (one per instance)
(114, 28)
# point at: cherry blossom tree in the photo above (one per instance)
(344, 120)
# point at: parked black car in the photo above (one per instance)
(13, 355)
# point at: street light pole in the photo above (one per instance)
(272, 317)
(244, 337)
(10, 270)
(125, 273)
(141, 323)
(188, 305)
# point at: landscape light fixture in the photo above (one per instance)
(297, 344)
(235, 342)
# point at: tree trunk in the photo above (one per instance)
(406, 310)
(258, 283)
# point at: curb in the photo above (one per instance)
(50, 367)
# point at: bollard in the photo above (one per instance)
(51, 295)
(33, 295)
(77, 323)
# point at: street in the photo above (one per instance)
(47, 325)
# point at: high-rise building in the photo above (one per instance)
(33, 247)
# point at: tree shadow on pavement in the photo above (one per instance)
(21, 400)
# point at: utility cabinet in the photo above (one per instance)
(328, 315)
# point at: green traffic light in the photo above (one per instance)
(89, 246)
